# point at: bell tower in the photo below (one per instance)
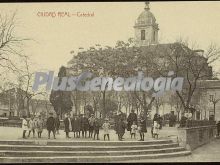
(146, 29)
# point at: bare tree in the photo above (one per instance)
(25, 81)
(10, 43)
(193, 65)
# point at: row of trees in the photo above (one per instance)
(126, 60)
(16, 67)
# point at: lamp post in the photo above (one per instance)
(214, 101)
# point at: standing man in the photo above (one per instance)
(24, 126)
(80, 124)
(121, 126)
(131, 119)
(68, 125)
(218, 128)
(51, 125)
(85, 125)
(76, 126)
(39, 126)
(57, 122)
(91, 125)
(142, 125)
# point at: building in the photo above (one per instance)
(209, 99)
(146, 39)
(14, 103)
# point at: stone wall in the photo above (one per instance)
(191, 138)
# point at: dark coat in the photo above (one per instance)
(57, 123)
(50, 124)
(96, 125)
(183, 121)
(121, 126)
(76, 124)
(67, 125)
(131, 118)
(143, 125)
(218, 126)
(160, 121)
(84, 124)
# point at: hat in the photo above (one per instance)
(51, 113)
(92, 114)
(106, 119)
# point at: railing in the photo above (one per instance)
(10, 123)
(197, 123)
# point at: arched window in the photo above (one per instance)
(142, 34)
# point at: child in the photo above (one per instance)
(39, 126)
(106, 127)
(134, 128)
(24, 126)
(32, 123)
(96, 128)
(156, 129)
(152, 130)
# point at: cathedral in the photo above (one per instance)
(146, 38)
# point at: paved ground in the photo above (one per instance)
(13, 133)
(206, 153)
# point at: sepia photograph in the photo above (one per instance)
(110, 82)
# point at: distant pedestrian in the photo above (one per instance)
(218, 128)
(142, 125)
(80, 121)
(24, 126)
(51, 125)
(39, 126)
(152, 130)
(121, 126)
(68, 125)
(131, 119)
(91, 125)
(84, 125)
(32, 126)
(76, 126)
(106, 128)
(183, 121)
(57, 124)
(160, 121)
(134, 129)
(156, 128)
(96, 128)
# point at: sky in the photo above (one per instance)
(53, 38)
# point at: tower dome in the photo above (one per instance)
(146, 28)
(146, 17)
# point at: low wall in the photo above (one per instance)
(193, 137)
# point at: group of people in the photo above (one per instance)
(134, 124)
(80, 125)
(156, 126)
(35, 124)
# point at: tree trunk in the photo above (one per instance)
(103, 99)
